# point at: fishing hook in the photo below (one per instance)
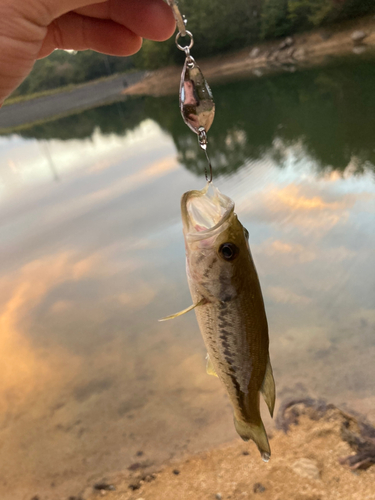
(203, 141)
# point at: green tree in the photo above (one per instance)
(275, 19)
(63, 68)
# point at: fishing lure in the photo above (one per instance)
(196, 101)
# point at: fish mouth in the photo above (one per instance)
(204, 212)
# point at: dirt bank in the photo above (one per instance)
(319, 452)
(302, 50)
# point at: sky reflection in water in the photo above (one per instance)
(92, 255)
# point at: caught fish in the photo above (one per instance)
(229, 306)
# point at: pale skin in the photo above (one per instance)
(32, 29)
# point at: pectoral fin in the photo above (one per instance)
(172, 316)
(268, 388)
(210, 367)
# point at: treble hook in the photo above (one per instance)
(209, 180)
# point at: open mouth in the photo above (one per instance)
(204, 211)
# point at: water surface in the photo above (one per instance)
(92, 255)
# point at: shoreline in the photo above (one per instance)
(72, 100)
(298, 52)
(289, 54)
(315, 455)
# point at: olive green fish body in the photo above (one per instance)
(231, 315)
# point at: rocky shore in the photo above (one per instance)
(304, 50)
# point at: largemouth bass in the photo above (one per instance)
(229, 307)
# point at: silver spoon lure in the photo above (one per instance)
(196, 101)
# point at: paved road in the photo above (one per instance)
(87, 96)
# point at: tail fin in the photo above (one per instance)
(257, 433)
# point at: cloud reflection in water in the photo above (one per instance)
(89, 263)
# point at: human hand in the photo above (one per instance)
(32, 29)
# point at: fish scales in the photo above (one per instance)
(230, 331)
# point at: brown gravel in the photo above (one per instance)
(306, 464)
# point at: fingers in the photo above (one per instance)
(112, 26)
(147, 18)
(44, 12)
(151, 19)
(76, 32)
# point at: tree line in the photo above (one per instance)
(218, 25)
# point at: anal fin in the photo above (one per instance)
(268, 388)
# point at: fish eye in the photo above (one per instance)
(228, 251)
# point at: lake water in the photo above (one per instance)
(92, 255)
